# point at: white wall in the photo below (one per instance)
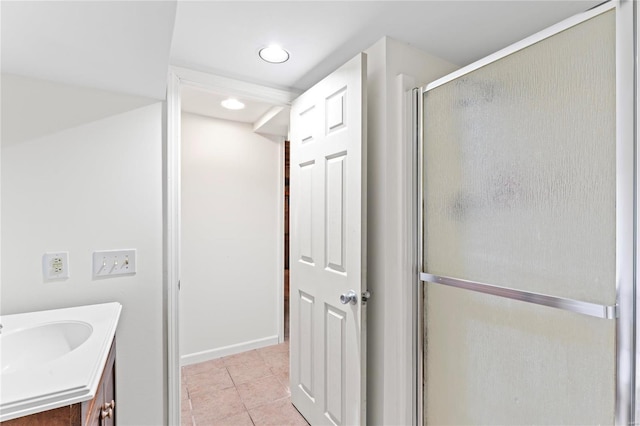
(389, 204)
(232, 214)
(95, 185)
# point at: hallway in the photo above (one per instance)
(250, 388)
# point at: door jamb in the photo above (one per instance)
(178, 77)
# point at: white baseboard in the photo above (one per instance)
(210, 354)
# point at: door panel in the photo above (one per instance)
(520, 193)
(335, 212)
(327, 245)
(306, 352)
(335, 350)
(305, 212)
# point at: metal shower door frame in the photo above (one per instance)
(627, 184)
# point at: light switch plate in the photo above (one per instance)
(55, 266)
(108, 263)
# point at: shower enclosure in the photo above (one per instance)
(527, 224)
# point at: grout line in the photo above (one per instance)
(231, 377)
(235, 386)
(251, 418)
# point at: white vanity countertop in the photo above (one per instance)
(34, 386)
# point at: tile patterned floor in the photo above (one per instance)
(250, 388)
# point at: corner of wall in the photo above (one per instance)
(376, 130)
(403, 58)
(389, 215)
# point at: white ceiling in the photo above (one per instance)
(265, 117)
(121, 46)
(199, 101)
(224, 37)
(127, 46)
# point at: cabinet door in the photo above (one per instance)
(92, 410)
(100, 411)
(109, 392)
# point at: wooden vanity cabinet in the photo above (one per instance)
(100, 411)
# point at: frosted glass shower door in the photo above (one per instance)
(519, 254)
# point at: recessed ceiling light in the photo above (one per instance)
(274, 54)
(232, 104)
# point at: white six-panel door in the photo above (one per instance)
(328, 206)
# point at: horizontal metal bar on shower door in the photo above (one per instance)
(577, 306)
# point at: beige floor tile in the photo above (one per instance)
(184, 392)
(185, 406)
(279, 348)
(280, 369)
(201, 367)
(222, 390)
(215, 405)
(241, 419)
(242, 358)
(284, 379)
(242, 373)
(213, 379)
(185, 416)
(261, 391)
(277, 413)
(277, 360)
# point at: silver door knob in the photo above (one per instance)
(349, 297)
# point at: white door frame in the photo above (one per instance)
(179, 77)
(407, 367)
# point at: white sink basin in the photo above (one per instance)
(51, 359)
(32, 346)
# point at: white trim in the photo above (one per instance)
(526, 42)
(406, 366)
(172, 247)
(266, 118)
(280, 247)
(210, 354)
(231, 87)
(636, 390)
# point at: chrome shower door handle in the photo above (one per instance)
(349, 297)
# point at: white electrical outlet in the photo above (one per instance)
(55, 266)
(114, 262)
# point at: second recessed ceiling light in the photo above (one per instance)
(274, 54)
(232, 104)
